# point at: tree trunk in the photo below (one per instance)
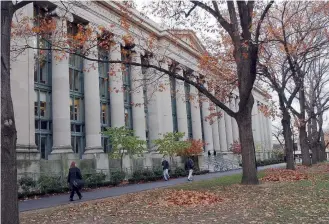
(9, 189)
(313, 136)
(287, 134)
(121, 161)
(306, 160)
(323, 154)
(322, 151)
(249, 170)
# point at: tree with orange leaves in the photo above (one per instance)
(195, 148)
(295, 37)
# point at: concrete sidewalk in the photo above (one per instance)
(57, 200)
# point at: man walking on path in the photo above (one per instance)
(165, 166)
(189, 167)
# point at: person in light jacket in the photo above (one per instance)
(74, 179)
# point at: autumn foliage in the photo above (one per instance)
(236, 147)
(196, 147)
(191, 198)
(273, 175)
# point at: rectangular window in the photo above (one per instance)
(173, 103)
(104, 114)
(188, 110)
(71, 78)
(77, 83)
(42, 85)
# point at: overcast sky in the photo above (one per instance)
(276, 122)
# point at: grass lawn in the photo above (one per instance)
(303, 201)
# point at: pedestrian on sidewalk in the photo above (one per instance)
(165, 165)
(75, 181)
(189, 165)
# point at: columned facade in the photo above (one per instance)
(63, 111)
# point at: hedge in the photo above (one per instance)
(267, 162)
(57, 184)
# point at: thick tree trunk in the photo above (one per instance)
(287, 134)
(306, 160)
(9, 197)
(249, 170)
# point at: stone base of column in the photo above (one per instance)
(147, 159)
(62, 149)
(101, 159)
(93, 150)
(202, 165)
(60, 162)
(26, 148)
(28, 161)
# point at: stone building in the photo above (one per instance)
(60, 109)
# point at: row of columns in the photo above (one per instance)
(218, 136)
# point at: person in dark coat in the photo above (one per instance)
(165, 165)
(189, 165)
(74, 179)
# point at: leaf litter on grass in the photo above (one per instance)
(284, 201)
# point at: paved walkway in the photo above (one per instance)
(57, 200)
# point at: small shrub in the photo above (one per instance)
(94, 179)
(27, 184)
(147, 174)
(179, 172)
(117, 177)
(51, 184)
(137, 175)
(158, 172)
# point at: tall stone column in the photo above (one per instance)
(228, 125)
(138, 114)
(61, 95)
(181, 106)
(23, 97)
(116, 87)
(158, 102)
(235, 130)
(215, 131)
(92, 108)
(256, 127)
(164, 102)
(262, 126)
(222, 132)
(22, 88)
(207, 129)
(270, 134)
(195, 114)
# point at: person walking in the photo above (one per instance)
(189, 165)
(74, 179)
(165, 165)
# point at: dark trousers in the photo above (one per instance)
(75, 189)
